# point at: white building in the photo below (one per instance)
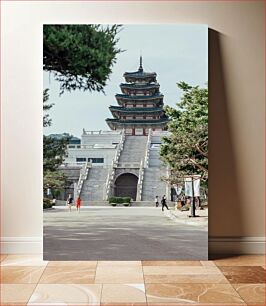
(97, 147)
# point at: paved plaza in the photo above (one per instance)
(121, 233)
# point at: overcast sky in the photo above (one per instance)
(175, 52)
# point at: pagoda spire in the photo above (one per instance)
(140, 64)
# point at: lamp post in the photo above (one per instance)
(192, 179)
(193, 204)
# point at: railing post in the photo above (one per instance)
(83, 176)
(139, 190)
(114, 163)
(147, 151)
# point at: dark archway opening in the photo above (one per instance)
(126, 186)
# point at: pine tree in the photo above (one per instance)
(80, 56)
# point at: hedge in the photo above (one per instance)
(119, 200)
(47, 203)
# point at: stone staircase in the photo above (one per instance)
(94, 187)
(134, 149)
(154, 158)
(152, 183)
(133, 152)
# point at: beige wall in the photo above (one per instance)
(236, 82)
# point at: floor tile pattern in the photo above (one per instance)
(68, 275)
(192, 293)
(232, 281)
(251, 293)
(245, 274)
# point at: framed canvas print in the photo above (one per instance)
(125, 144)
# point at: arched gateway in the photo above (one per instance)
(126, 186)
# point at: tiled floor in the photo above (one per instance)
(28, 280)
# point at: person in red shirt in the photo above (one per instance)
(78, 201)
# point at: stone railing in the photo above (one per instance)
(93, 146)
(168, 187)
(132, 165)
(111, 173)
(71, 165)
(140, 181)
(147, 151)
(119, 148)
(82, 177)
(161, 133)
(102, 132)
(109, 180)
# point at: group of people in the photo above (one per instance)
(187, 200)
(163, 202)
(70, 202)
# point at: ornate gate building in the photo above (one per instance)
(124, 161)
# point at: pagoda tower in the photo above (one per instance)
(140, 104)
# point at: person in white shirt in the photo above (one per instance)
(156, 201)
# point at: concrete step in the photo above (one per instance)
(134, 149)
(153, 184)
(94, 187)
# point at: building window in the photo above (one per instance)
(144, 117)
(71, 147)
(78, 146)
(81, 159)
(95, 160)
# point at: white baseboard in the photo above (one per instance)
(236, 245)
(21, 245)
(217, 245)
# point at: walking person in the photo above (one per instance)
(69, 202)
(163, 201)
(156, 201)
(78, 202)
(54, 201)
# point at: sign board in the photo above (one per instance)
(188, 186)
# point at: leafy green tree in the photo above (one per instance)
(47, 121)
(54, 151)
(53, 179)
(80, 56)
(185, 150)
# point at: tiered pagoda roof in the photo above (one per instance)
(121, 111)
(139, 85)
(122, 99)
(141, 103)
